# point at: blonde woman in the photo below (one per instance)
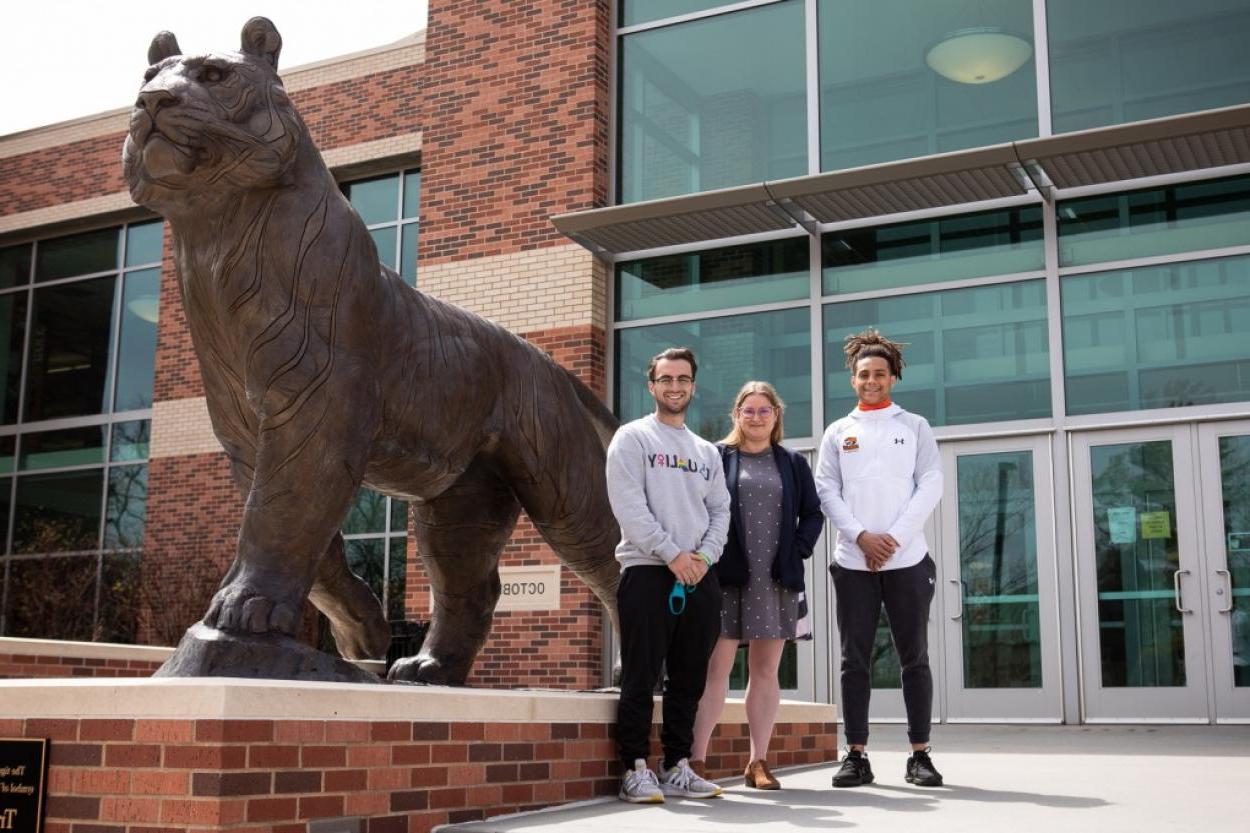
(775, 521)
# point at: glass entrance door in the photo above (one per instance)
(1140, 575)
(998, 607)
(1224, 458)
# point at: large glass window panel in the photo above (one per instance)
(887, 70)
(1235, 494)
(1193, 216)
(408, 253)
(136, 361)
(143, 243)
(12, 336)
(634, 12)
(6, 506)
(713, 103)
(120, 598)
(127, 507)
(366, 558)
(772, 346)
(367, 513)
(68, 366)
(1118, 61)
(412, 194)
(384, 240)
(1141, 636)
(8, 447)
(733, 277)
(998, 567)
(14, 265)
(58, 512)
(1157, 337)
(932, 251)
(64, 448)
(974, 355)
(52, 598)
(78, 254)
(396, 579)
(130, 440)
(399, 516)
(375, 200)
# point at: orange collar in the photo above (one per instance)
(887, 403)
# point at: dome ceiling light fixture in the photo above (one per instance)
(979, 55)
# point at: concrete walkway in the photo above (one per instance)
(1013, 779)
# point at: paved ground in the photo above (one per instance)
(1018, 779)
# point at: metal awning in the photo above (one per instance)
(1121, 153)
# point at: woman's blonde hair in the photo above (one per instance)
(734, 437)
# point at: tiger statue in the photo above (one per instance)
(323, 371)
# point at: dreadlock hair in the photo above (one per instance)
(870, 343)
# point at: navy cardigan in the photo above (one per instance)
(801, 521)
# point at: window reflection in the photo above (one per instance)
(67, 366)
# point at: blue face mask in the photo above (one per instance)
(677, 597)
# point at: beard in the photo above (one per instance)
(675, 409)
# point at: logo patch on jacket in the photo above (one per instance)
(850, 444)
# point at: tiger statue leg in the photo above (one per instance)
(356, 618)
(460, 535)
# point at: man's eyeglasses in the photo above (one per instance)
(680, 381)
(762, 413)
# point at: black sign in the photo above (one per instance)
(23, 767)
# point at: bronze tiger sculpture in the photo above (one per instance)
(324, 371)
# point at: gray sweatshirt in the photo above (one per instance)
(667, 490)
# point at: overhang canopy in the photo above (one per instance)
(1121, 153)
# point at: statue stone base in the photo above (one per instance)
(208, 652)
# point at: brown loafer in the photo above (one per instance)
(758, 776)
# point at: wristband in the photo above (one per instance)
(706, 559)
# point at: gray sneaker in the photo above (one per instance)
(682, 782)
(639, 786)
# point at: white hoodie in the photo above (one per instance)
(879, 471)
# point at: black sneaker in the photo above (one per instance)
(921, 771)
(854, 772)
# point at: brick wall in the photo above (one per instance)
(514, 123)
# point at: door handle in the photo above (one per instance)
(1176, 590)
(960, 584)
(1228, 580)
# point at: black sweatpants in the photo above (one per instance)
(906, 595)
(653, 638)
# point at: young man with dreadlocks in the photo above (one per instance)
(879, 477)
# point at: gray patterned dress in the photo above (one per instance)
(762, 609)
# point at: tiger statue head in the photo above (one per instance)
(208, 127)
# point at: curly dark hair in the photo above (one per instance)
(870, 343)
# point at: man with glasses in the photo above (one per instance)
(667, 490)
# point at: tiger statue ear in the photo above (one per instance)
(164, 45)
(260, 39)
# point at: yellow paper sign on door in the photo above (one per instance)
(1156, 525)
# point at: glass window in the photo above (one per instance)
(375, 200)
(932, 251)
(143, 243)
(634, 12)
(408, 253)
(52, 598)
(384, 241)
(732, 277)
(367, 514)
(772, 346)
(136, 362)
(1119, 61)
(127, 507)
(1193, 216)
(399, 516)
(78, 254)
(412, 194)
(62, 449)
(365, 559)
(900, 79)
(1157, 337)
(130, 440)
(396, 579)
(8, 448)
(12, 337)
(58, 512)
(14, 266)
(974, 355)
(713, 103)
(120, 598)
(68, 365)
